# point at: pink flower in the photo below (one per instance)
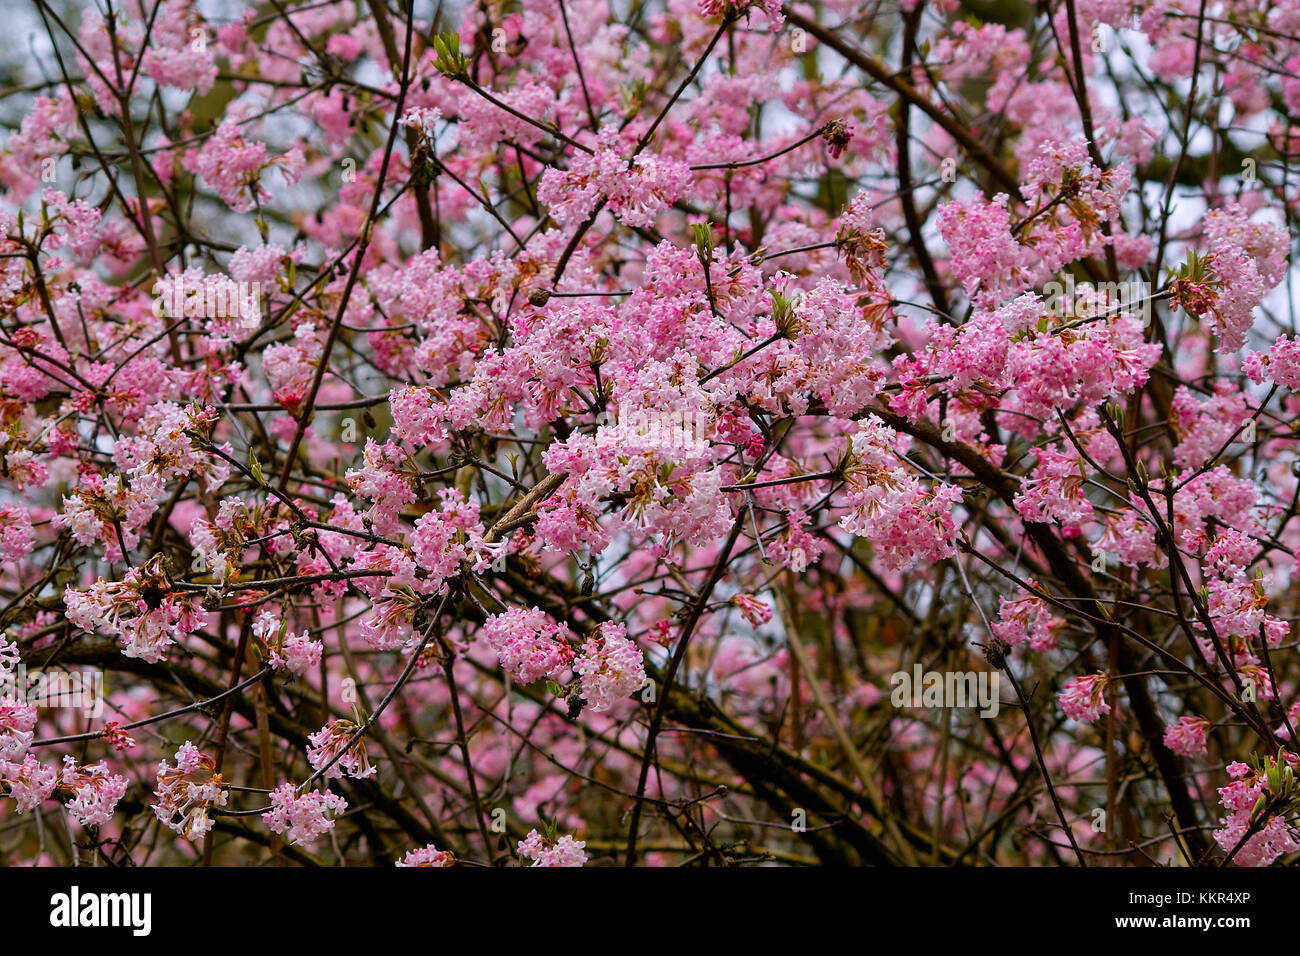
(28, 782)
(1027, 618)
(300, 655)
(141, 610)
(904, 522)
(1271, 835)
(611, 666)
(384, 480)
(985, 256)
(303, 818)
(17, 723)
(16, 537)
(1245, 260)
(1237, 608)
(95, 791)
(1055, 491)
(566, 851)
(332, 740)
(181, 55)
(186, 791)
(417, 416)
(444, 539)
(296, 653)
(1083, 698)
(44, 130)
(752, 609)
(1283, 363)
(1187, 737)
(233, 166)
(529, 644)
(1207, 426)
(117, 736)
(636, 192)
(427, 856)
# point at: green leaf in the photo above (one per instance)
(703, 232)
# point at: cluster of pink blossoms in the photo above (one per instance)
(1281, 363)
(752, 609)
(1027, 619)
(186, 792)
(302, 818)
(427, 856)
(233, 166)
(636, 190)
(1054, 491)
(93, 790)
(1253, 829)
(28, 782)
(444, 540)
(1245, 260)
(1187, 737)
(566, 851)
(529, 645)
(296, 653)
(180, 55)
(904, 521)
(17, 723)
(16, 535)
(1084, 698)
(334, 740)
(610, 666)
(141, 610)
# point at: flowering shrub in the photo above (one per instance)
(538, 432)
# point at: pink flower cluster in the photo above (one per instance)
(187, 791)
(1084, 698)
(29, 782)
(1187, 737)
(444, 540)
(566, 851)
(94, 791)
(611, 667)
(297, 653)
(303, 818)
(141, 610)
(1256, 839)
(427, 856)
(635, 189)
(17, 723)
(233, 166)
(333, 740)
(529, 645)
(1054, 491)
(1247, 260)
(1027, 619)
(905, 522)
